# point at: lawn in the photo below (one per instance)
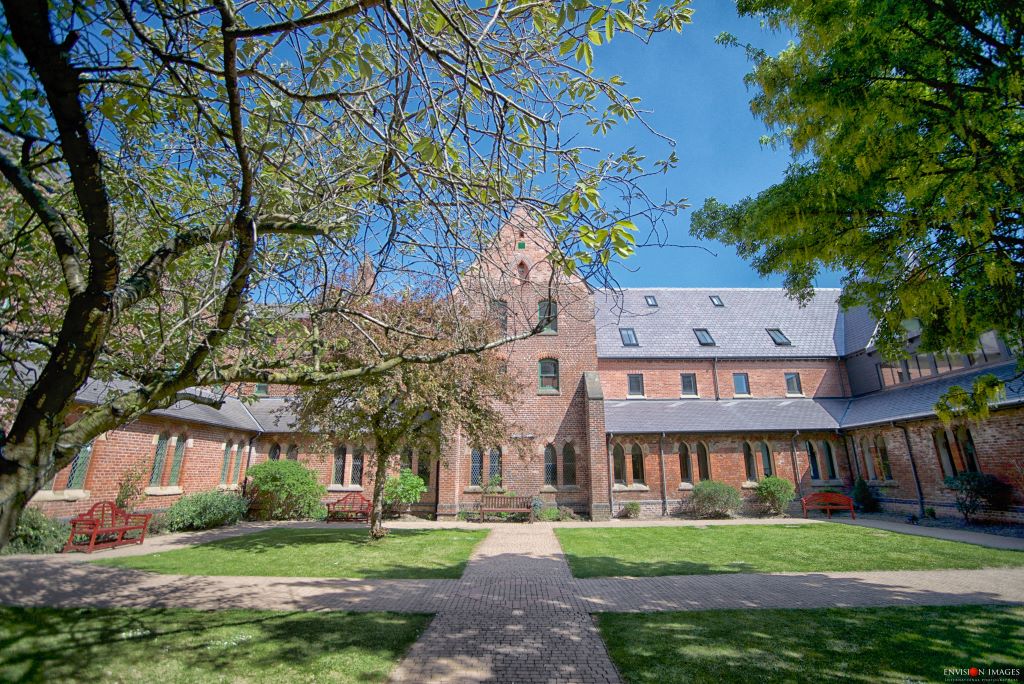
(403, 554)
(653, 551)
(176, 645)
(904, 644)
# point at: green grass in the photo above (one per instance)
(654, 551)
(403, 554)
(864, 645)
(177, 645)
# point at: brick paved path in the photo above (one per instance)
(516, 615)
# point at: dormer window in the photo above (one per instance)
(704, 337)
(717, 301)
(651, 300)
(628, 336)
(778, 337)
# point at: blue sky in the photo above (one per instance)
(696, 91)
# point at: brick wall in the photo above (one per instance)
(818, 378)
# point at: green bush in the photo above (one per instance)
(536, 506)
(285, 490)
(403, 490)
(157, 524)
(35, 533)
(204, 510)
(549, 514)
(863, 498)
(973, 489)
(776, 493)
(713, 499)
(631, 509)
(566, 513)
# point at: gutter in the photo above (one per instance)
(913, 468)
(661, 462)
(792, 456)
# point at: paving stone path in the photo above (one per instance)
(515, 616)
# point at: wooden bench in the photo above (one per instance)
(106, 526)
(499, 503)
(352, 506)
(828, 502)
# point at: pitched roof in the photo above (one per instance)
(859, 329)
(739, 328)
(785, 415)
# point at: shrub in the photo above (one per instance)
(566, 513)
(549, 514)
(631, 509)
(36, 533)
(204, 510)
(863, 498)
(157, 524)
(972, 489)
(285, 490)
(713, 499)
(930, 513)
(493, 485)
(776, 493)
(536, 505)
(404, 490)
(130, 487)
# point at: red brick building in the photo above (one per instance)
(627, 396)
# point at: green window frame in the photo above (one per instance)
(80, 467)
(226, 466)
(159, 458)
(547, 371)
(547, 316)
(239, 451)
(179, 457)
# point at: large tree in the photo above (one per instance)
(184, 178)
(906, 124)
(412, 407)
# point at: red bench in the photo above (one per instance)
(352, 506)
(106, 526)
(828, 501)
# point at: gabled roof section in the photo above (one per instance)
(859, 329)
(730, 415)
(738, 328)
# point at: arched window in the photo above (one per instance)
(476, 467)
(338, 472)
(749, 463)
(357, 467)
(494, 463)
(423, 466)
(965, 444)
(156, 478)
(830, 460)
(225, 468)
(550, 465)
(80, 467)
(766, 459)
(943, 452)
(868, 458)
(240, 452)
(883, 456)
(293, 452)
(703, 463)
(548, 371)
(812, 459)
(684, 463)
(637, 456)
(405, 460)
(568, 465)
(275, 452)
(179, 457)
(522, 271)
(619, 464)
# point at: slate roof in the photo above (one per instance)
(729, 415)
(859, 328)
(273, 414)
(738, 328)
(784, 415)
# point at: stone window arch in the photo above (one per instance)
(637, 461)
(703, 462)
(619, 464)
(830, 460)
(275, 452)
(812, 460)
(685, 473)
(338, 471)
(569, 464)
(749, 462)
(767, 466)
(883, 456)
(550, 466)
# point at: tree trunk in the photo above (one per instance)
(22, 472)
(380, 475)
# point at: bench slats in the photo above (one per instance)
(499, 503)
(105, 519)
(828, 502)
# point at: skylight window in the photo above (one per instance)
(628, 336)
(651, 300)
(704, 337)
(778, 337)
(717, 301)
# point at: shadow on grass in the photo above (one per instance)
(87, 644)
(828, 645)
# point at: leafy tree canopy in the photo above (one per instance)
(906, 124)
